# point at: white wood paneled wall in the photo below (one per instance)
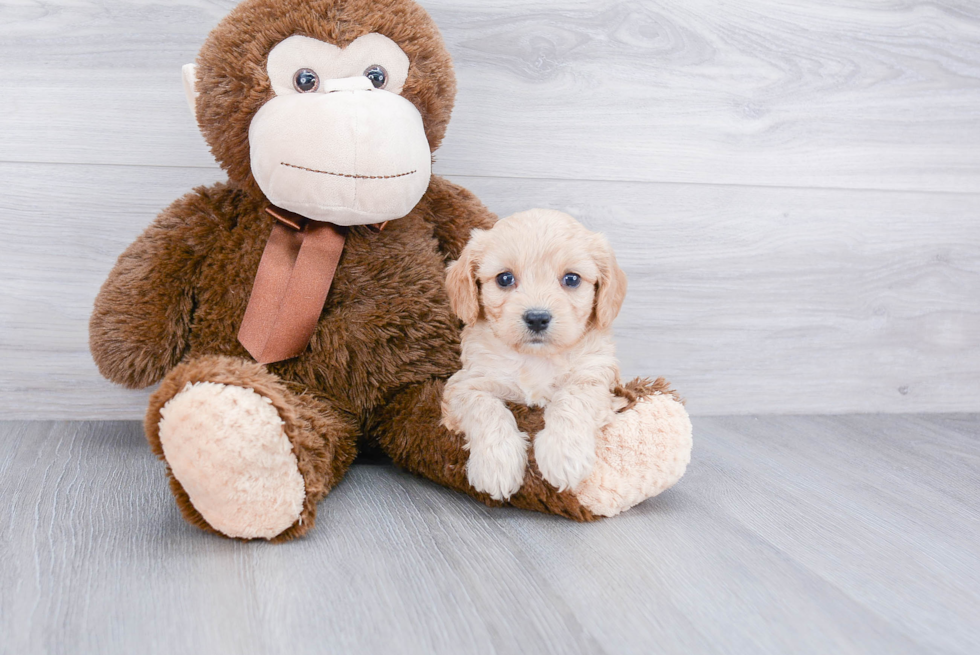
(793, 187)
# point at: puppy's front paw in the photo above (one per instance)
(564, 459)
(498, 468)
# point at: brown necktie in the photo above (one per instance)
(291, 286)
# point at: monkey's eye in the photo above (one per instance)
(378, 76)
(505, 279)
(571, 280)
(306, 81)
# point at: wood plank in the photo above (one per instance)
(852, 484)
(835, 301)
(839, 94)
(749, 299)
(789, 534)
(799, 497)
(60, 246)
(98, 560)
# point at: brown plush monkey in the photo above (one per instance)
(323, 258)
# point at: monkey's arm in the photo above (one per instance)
(454, 212)
(141, 320)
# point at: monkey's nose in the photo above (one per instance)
(537, 319)
(358, 83)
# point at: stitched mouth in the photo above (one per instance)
(353, 175)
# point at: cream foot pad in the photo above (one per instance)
(226, 446)
(643, 452)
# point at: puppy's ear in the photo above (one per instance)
(464, 296)
(611, 286)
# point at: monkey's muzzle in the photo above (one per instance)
(353, 155)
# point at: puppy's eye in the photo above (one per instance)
(571, 280)
(505, 279)
(306, 81)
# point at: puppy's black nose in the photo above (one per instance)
(537, 319)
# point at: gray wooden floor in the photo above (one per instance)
(788, 535)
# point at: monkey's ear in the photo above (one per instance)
(464, 296)
(189, 72)
(611, 284)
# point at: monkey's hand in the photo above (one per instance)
(141, 321)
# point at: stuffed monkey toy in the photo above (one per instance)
(298, 312)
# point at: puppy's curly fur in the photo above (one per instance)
(538, 293)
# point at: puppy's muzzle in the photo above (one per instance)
(537, 320)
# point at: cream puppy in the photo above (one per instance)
(538, 294)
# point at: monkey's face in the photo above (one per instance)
(329, 108)
(337, 142)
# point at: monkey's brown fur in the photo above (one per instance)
(386, 340)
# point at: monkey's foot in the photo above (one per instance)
(644, 451)
(226, 446)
